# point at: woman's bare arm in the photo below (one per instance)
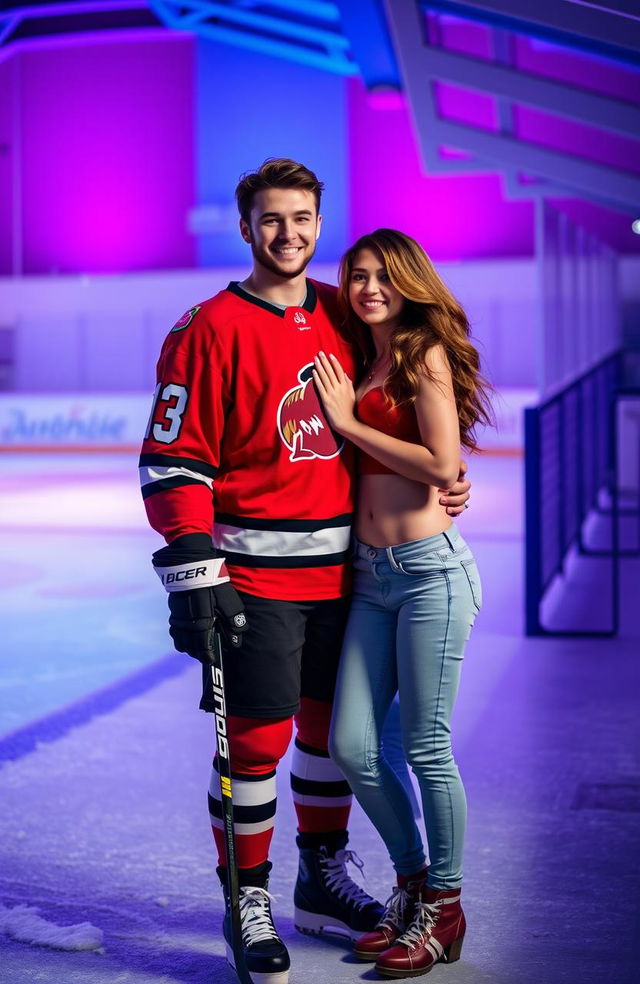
(435, 462)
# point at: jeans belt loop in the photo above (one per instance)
(449, 540)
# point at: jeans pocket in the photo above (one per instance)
(426, 566)
(473, 577)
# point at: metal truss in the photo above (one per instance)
(364, 25)
(605, 27)
(305, 31)
(530, 170)
(352, 37)
(25, 25)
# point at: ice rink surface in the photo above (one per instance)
(104, 763)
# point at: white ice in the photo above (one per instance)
(104, 834)
(22, 923)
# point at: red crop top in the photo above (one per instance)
(374, 410)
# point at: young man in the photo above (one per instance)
(237, 425)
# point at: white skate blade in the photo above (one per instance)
(317, 924)
(280, 977)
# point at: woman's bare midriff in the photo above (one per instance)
(392, 509)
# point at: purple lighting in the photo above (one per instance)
(108, 158)
(454, 217)
(100, 145)
(576, 68)
(467, 106)
(75, 24)
(577, 138)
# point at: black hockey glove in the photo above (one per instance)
(200, 594)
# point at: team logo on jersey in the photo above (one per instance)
(302, 425)
(298, 318)
(186, 319)
(301, 322)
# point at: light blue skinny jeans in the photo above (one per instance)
(412, 611)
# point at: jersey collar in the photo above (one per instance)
(308, 305)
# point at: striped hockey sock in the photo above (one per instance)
(254, 810)
(321, 794)
(256, 747)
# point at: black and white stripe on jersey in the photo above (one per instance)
(159, 472)
(248, 541)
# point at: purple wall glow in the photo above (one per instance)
(577, 68)
(585, 71)
(108, 163)
(466, 106)
(533, 125)
(7, 70)
(108, 143)
(578, 139)
(454, 217)
(459, 34)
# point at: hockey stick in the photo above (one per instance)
(224, 774)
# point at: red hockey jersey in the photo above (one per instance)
(237, 424)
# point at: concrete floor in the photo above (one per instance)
(105, 761)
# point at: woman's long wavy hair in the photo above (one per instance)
(431, 316)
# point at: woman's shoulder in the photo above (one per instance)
(436, 359)
(436, 378)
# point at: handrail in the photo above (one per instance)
(570, 457)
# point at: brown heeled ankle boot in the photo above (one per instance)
(398, 912)
(436, 933)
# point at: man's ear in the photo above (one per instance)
(319, 227)
(245, 230)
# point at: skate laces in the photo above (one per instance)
(255, 915)
(339, 880)
(394, 909)
(425, 918)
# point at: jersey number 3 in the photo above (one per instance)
(175, 397)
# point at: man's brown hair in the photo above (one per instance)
(275, 172)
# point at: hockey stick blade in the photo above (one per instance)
(224, 775)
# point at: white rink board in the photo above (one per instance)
(66, 421)
(116, 420)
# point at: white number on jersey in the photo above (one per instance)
(172, 413)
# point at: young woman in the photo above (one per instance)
(417, 590)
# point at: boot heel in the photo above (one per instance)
(453, 951)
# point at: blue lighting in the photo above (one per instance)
(307, 32)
